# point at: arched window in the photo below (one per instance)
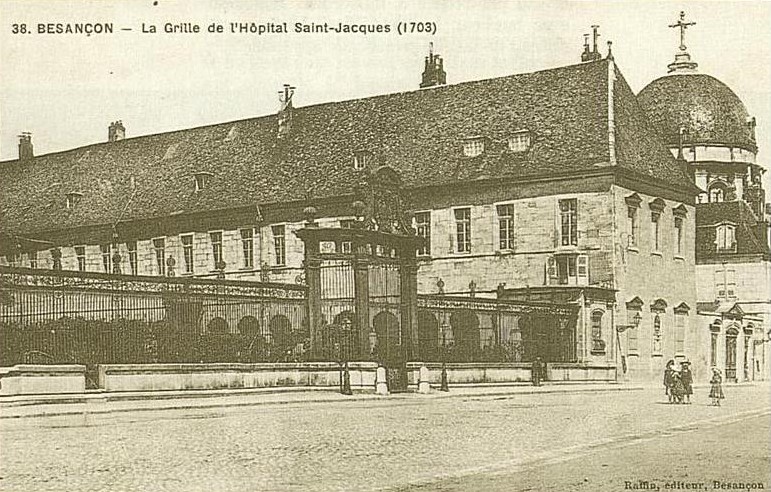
(717, 193)
(598, 344)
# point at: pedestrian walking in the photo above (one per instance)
(686, 376)
(716, 387)
(536, 372)
(668, 371)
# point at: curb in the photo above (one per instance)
(103, 399)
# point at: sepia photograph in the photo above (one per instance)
(357, 245)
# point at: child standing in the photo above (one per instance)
(716, 387)
(687, 378)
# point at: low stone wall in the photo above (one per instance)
(473, 372)
(28, 379)
(510, 372)
(151, 377)
(578, 372)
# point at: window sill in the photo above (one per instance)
(657, 253)
(633, 353)
(597, 352)
(633, 249)
(657, 354)
(504, 252)
(679, 258)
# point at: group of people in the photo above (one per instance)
(678, 384)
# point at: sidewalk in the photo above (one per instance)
(103, 402)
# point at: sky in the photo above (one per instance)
(66, 88)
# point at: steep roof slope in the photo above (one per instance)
(748, 241)
(418, 133)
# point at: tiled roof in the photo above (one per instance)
(418, 133)
(708, 109)
(748, 241)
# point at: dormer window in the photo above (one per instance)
(520, 141)
(473, 146)
(202, 180)
(73, 199)
(725, 238)
(361, 159)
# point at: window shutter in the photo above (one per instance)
(551, 270)
(583, 269)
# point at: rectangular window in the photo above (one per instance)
(519, 142)
(247, 247)
(216, 248)
(568, 222)
(506, 227)
(187, 253)
(279, 244)
(423, 226)
(106, 257)
(80, 254)
(131, 246)
(33, 259)
(633, 226)
(566, 270)
(678, 236)
(463, 230)
(725, 283)
(726, 238)
(655, 230)
(159, 245)
(679, 333)
(473, 147)
(346, 246)
(730, 283)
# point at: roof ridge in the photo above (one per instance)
(321, 104)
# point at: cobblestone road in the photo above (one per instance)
(336, 446)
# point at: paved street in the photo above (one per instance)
(578, 441)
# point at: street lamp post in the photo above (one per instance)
(622, 328)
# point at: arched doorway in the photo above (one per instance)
(465, 333)
(249, 326)
(428, 336)
(217, 326)
(252, 341)
(280, 335)
(730, 353)
(387, 335)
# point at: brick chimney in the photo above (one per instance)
(592, 54)
(25, 146)
(433, 73)
(116, 131)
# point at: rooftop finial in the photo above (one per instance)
(610, 50)
(682, 25)
(682, 63)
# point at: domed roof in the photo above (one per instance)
(708, 109)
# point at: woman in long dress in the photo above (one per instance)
(716, 387)
(677, 390)
(668, 379)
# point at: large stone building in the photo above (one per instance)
(704, 122)
(552, 185)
